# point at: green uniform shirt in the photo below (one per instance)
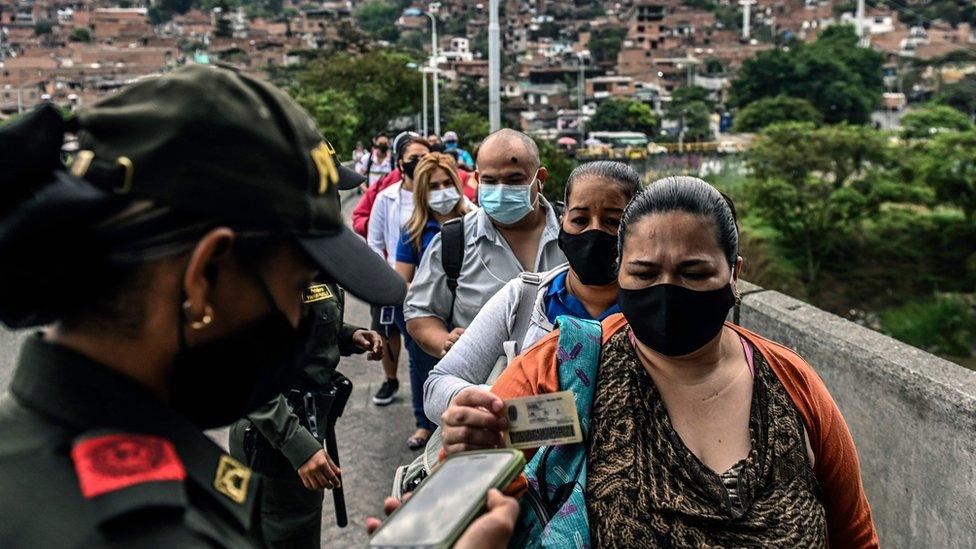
(275, 420)
(89, 458)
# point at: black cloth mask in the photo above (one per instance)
(409, 167)
(674, 320)
(383, 147)
(216, 383)
(592, 255)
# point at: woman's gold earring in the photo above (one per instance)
(208, 316)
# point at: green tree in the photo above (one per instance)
(959, 95)
(81, 34)
(378, 84)
(471, 127)
(378, 18)
(841, 79)
(815, 186)
(772, 110)
(944, 324)
(605, 43)
(559, 167)
(43, 27)
(175, 6)
(691, 107)
(949, 167)
(933, 119)
(334, 112)
(623, 115)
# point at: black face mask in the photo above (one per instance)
(674, 320)
(592, 255)
(215, 383)
(409, 167)
(383, 147)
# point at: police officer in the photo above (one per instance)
(283, 440)
(167, 268)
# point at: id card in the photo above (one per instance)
(542, 420)
(386, 315)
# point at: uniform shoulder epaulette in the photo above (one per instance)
(120, 473)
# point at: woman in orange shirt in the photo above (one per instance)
(701, 432)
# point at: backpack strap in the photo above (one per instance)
(523, 317)
(452, 256)
(523, 313)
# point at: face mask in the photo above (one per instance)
(449, 145)
(506, 204)
(383, 147)
(409, 167)
(673, 320)
(592, 255)
(443, 201)
(215, 383)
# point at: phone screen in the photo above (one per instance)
(432, 514)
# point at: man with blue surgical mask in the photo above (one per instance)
(515, 230)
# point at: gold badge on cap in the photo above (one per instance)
(316, 292)
(324, 157)
(232, 479)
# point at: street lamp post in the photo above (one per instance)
(580, 90)
(414, 12)
(433, 61)
(423, 75)
(494, 68)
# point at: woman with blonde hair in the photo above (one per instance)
(438, 197)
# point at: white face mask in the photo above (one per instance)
(443, 201)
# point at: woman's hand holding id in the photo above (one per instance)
(473, 421)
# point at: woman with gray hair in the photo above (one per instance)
(524, 310)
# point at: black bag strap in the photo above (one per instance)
(452, 255)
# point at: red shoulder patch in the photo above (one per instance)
(112, 462)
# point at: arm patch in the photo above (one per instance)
(112, 462)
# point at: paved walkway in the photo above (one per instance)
(372, 440)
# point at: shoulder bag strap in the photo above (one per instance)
(452, 256)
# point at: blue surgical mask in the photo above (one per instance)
(450, 145)
(443, 201)
(506, 204)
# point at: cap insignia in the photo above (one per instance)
(324, 157)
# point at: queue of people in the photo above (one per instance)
(206, 288)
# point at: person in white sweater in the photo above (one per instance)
(391, 211)
(586, 287)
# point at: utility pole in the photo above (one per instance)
(581, 94)
(746, 9)
(433, 61)
(423, 75)
(859, 23)
(494, 68)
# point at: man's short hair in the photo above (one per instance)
(514, 138)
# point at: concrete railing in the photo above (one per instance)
(912, 415)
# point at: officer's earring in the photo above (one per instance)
(205, 321)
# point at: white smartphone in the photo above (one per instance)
(445, 504)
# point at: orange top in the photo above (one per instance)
(849, 522)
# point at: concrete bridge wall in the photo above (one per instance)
(912, 414)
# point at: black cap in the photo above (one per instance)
(219, 144)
